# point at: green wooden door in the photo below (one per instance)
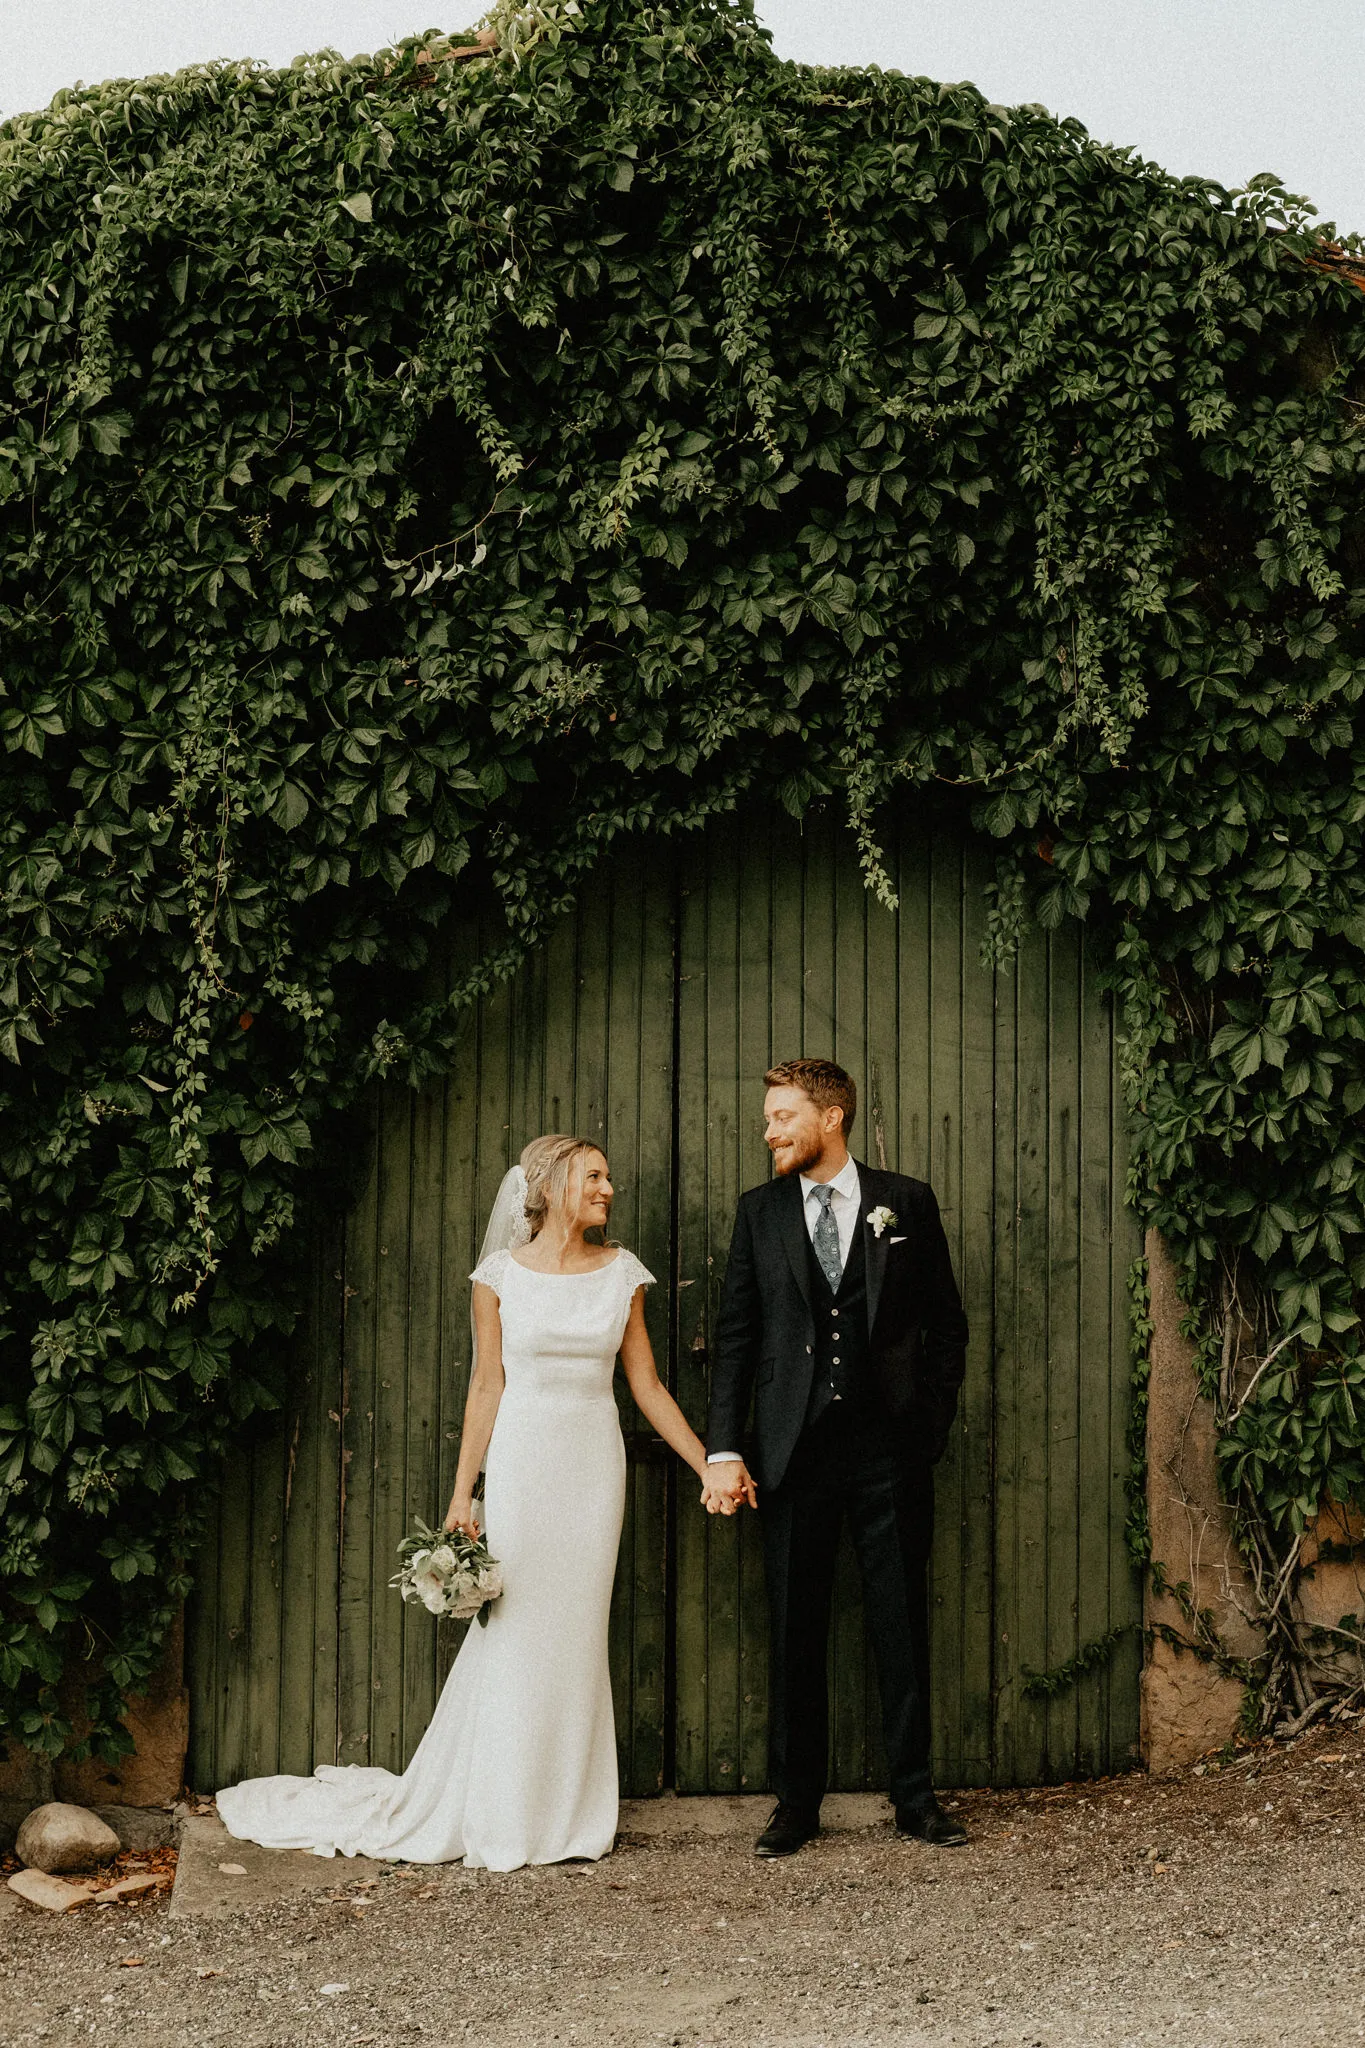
(1000, 1090)
(648, 1021)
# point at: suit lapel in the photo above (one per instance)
(792, 1227)
(871, 1196)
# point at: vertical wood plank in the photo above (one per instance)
(909, 1128)
(422, 1243)
(388, 1488)
(357, 1592)
(1095, 1224)
(702, 1142)
(1124, 1581)
(974, 1262)
(1006, 1367)
(232, 1650)
(778, 959)
(731, 1021)
(1063, 1362)
(846, 910)
(882, 1143)
(308, 1650)
(201, 1663)
(1022, 1377)
(737, 1634)
(475, 1142)
(951, 1559)
(260, 1729)
(609, 1008)
(639, 1124)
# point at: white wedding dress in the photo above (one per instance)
(519, 1762)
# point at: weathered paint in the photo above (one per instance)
(647, 1022)
(300, 1652)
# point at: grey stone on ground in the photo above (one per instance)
(1225, 1910)
(57, 1837)
(140, 1828)
(217, 1876)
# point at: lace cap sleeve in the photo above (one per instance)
(633, 1272)
(490, 1271)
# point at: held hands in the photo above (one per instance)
(727, 1487)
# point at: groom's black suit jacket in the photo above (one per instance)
(765, 1332)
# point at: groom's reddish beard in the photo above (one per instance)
(792, 1158)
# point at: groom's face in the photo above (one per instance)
(796, 1132)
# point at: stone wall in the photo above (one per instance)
(1188, 1705)
(153, 1775)
(1332, 1582)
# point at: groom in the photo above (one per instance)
(841, 1319)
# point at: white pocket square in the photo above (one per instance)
(898, 1240)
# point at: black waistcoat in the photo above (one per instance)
(842, 1349)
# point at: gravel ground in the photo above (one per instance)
(1227, 1906)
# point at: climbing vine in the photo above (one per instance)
(418, 473)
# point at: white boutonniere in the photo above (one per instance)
(881, 1219)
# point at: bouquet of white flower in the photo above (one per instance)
(450, 1573)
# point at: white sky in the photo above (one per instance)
(1224, 88)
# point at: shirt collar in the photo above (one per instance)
(844, 1183)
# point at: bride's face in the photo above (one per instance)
(590, 1192)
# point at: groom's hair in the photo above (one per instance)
(828, 1086)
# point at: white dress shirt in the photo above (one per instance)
(844, 1207)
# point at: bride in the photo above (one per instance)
(519, 1762)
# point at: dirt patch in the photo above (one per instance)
(1224, 1906)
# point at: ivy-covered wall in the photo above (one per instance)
(415, 473)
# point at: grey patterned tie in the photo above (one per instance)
(827, 1239)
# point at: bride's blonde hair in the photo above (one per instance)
(548, 1164)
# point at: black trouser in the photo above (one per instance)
(851, 1464)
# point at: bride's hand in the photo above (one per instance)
(726, 1487)
(460, 1515)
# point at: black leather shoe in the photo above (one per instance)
(927, 1822)
(789, 1827)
